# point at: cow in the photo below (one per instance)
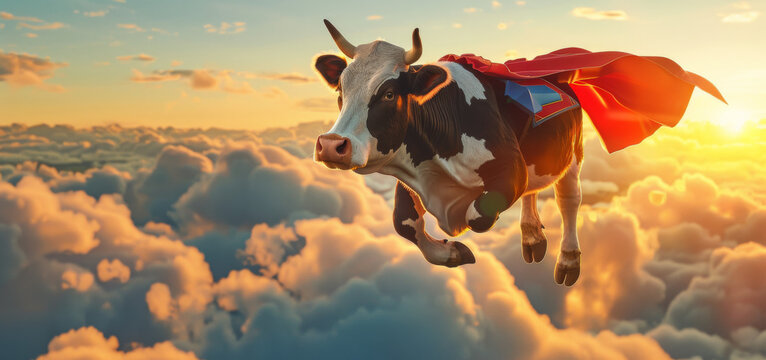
(458, 149)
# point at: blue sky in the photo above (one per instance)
(281, 37)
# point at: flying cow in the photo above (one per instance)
(466, 138)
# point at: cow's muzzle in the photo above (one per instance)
(334, 151)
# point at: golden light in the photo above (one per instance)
(733, 120)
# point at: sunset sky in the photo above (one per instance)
(253, 58)
(159, 200)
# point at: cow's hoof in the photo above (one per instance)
(533, 242)
(567, 267)
(459, 254)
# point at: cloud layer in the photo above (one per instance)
(161, 242)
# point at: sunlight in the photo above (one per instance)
(733, 120)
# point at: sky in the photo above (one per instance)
(247, 64)
(158, 197)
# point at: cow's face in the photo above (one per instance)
(372, 97)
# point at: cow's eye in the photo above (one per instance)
(389, 95)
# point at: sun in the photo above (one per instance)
(734, 120)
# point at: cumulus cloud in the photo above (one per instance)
(730, 295)
(234, 244)
(693, 198)
(284, 187)
(422, 311)
(88, 342)
(64, 239)
(115, 269)
(688, 343)
(21, 70)
(152, 194)
(593, 14)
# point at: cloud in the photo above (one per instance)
(151, 195)
(457, 25)
(391, 296)
(502, 26)
(45, 228)
(374, 17)
(48, 26)
(115, 269)
(615, 286)
(95, 182)
(593, 14)
(164, 244)
(206, 79)
(496, 4)
(740, 17)
(751, 230)
(471, 10)
(688, 343)
(88, 342)
(744, 13)
(133, 27)
(287, 77)
(693, 198)
(30, 35)
(21, 70)
(159, 76)
(8, 16)
(63, 237)
(202, 79)
(286, 188)
(139, 57)
(729, 296)
(226, 28)
(98, 13)
(318, 104)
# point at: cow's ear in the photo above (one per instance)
(330, 67)
(429, 79)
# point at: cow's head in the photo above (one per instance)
(374, 92)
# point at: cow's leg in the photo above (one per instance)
(505, 180)
(568, 197)
(533, 241)
(410, 223)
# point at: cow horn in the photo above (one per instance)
(343, 44)
(413, 54)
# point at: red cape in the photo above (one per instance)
(627, 97)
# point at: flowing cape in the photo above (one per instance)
(627, 97)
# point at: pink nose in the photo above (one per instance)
(334, 151)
